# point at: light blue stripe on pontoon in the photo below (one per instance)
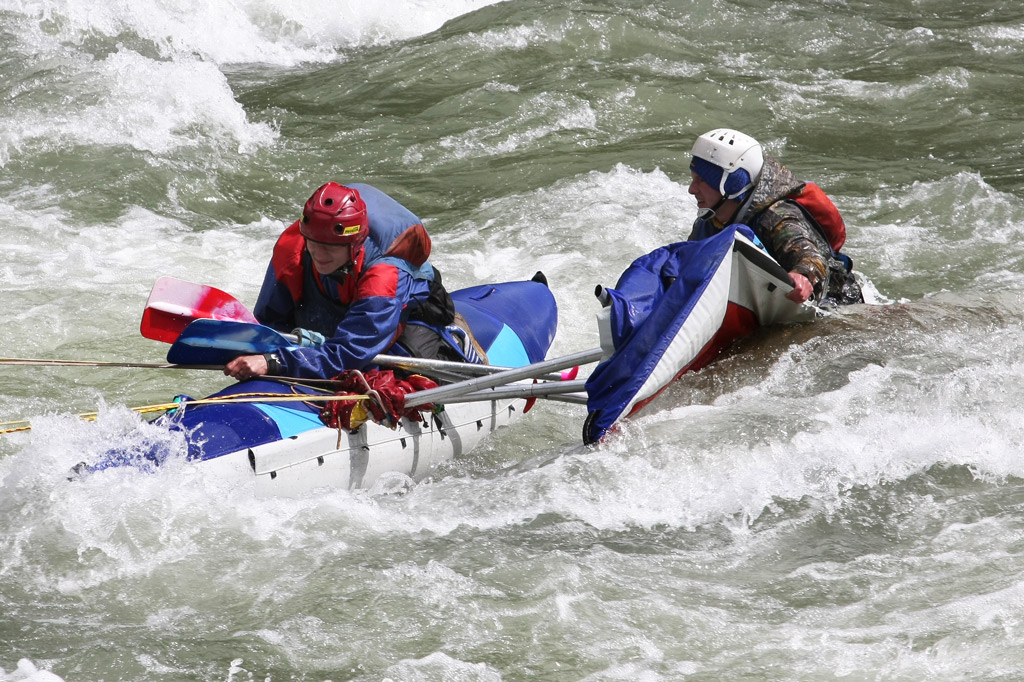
(291, 422)
(507, 350)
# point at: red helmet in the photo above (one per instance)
(335, 214)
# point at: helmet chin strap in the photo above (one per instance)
(342, 272)
(707, 213)
(345, 270)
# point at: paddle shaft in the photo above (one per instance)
(35, 362)
(445, 393)
(568, 391)
(463, 368)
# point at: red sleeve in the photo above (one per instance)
(379, 280)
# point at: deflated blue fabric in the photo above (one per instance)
(527, 308)
(649, 304)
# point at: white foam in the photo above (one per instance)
(441, 666)
(147, 75)
(28, 672)
(537, 118)
(997, 39)
(516, 37)
(241, 31)
(148, 105)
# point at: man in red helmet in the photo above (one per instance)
(354, 271)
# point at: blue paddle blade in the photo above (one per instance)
(218, 342)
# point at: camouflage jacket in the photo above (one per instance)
(790, 237)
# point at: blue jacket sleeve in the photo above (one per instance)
(367, 330)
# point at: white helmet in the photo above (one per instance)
(731, 150)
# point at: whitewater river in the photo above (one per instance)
(837, 501)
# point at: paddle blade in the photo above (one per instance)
(174, 303)
(218, 342)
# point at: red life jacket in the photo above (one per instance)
(822, 213)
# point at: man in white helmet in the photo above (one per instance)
(734, 182)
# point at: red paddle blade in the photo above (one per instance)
(174, 303)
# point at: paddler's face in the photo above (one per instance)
(328, 257)
(706, 195)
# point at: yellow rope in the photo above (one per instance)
(237, 398)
